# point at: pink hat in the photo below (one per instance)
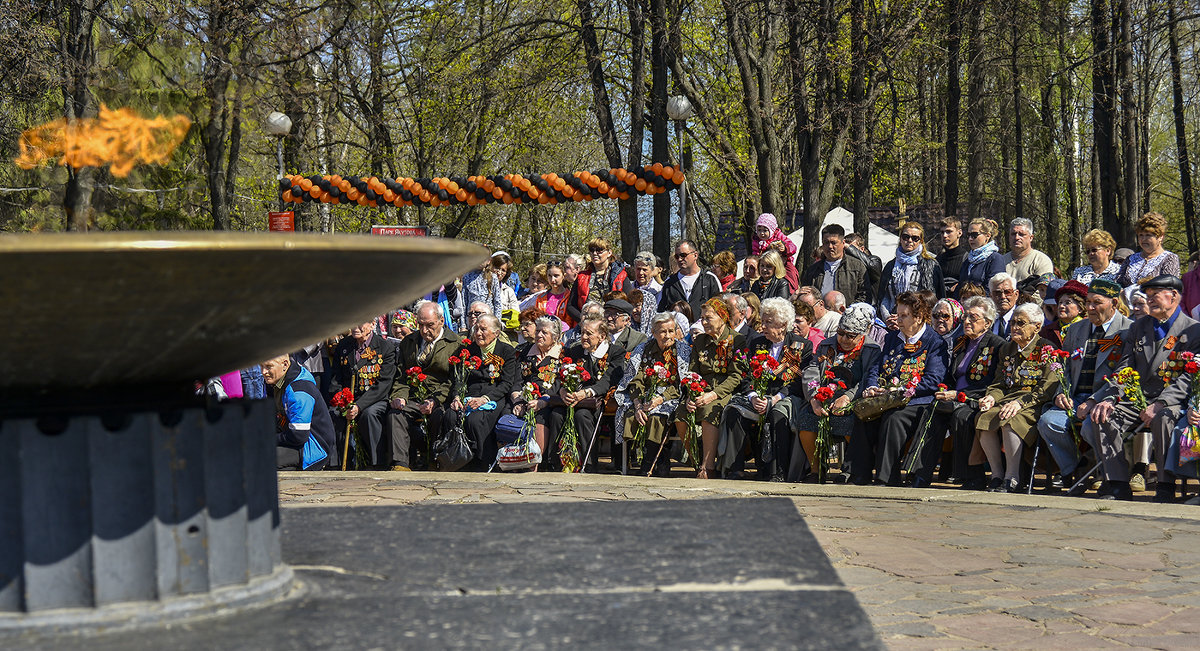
(768, 220)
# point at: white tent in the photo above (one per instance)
(881, 241)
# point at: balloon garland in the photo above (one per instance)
(549, 188)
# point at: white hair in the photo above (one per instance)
(984, 303)
(549, 324)
(999, 279)
(835, 300)
(778, 311)
(1023, 223)
(1031, 311)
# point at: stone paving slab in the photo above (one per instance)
(934, 569)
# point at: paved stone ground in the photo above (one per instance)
(934, 569)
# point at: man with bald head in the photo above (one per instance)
(428, 349)
(304, 438)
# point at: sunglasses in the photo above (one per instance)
(942, 315)
(683, 256)
(1003, 292)
(911, 238)
(476, 314)
(974, 234)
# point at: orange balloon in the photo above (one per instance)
(612, 193)
(452, 187)
(362, 201)
(640, 184)
(489, 186)
(533, 193)
(677, 177)
(471, 200)
(602, 187)
(461, 195)
(623, 195)
(389, 196)
(507, 199)
(551, 177)
(353, 194)
(568, 192)
(315, 191)
(657, 168)
(593, 180)
(667, 171)
(305, 185)
(498, 192)
(558, 184)
(435, 202)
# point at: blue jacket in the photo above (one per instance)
(981, 273)
(301, 412)
(931, 358)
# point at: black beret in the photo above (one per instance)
(622, 306)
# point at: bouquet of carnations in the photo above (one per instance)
(461, 364)
(657, 374)
(694, 386)
(572, 374)
(825, 395)
(416, 378)
(763, 369)
(1189, 442)
(342, 401)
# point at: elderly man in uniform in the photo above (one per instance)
(1095, 347)
(428, 349)
(365, 363)
(1152, 348)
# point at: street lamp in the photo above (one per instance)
(279, 125)
(679, 109)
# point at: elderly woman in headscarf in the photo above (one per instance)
(717, 356)
(745, 419)
(947, 319)
(768, 237)
(1009, 410)
(401, 324)
(649, 393)
(845, 358)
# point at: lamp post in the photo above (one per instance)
(679, 109)
(278, 125)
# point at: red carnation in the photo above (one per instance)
(454, 359)
(476, 361)
(464, 353)
(942, 387)
(1191, 367)
(841, 385)
(829, 375)
(585, 376)
(961, 397)
(466, 341)
(649, 371)
(566, 360)
(421, 377)
(757, 373)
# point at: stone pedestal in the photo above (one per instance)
(173, 511)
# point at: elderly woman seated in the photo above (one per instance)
(605, 366)
(847, 356)
(947, 319)
(901, 385)
(1009, 410)
(538, 361)
(746, 418)
(485, 388)
(718, 358)
(649, 393)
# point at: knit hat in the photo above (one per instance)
(768, 220)
(857, 318)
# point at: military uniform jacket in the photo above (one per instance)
(628, 339)
(795, 355)
(900, 362)
(720, 361)
(1156, 361)
(981, 370)
(1024, 375)
(436, 366)
(371, 375)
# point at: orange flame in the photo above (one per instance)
(119, 138)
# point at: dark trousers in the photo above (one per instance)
(961, 423)
(935, 437)
(879, 444)
(585, 429)
(480, 428)
(370, 425)
(408, 443)
(736, 432)
(287, 458)
(789, 462)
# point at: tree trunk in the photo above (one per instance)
(631, 238)
(1181, 145)
(1131, 196)
(976, 112)
(659, 146)
(1065, 111)
(1053, 238)
(1019, 135)
(1102, 121)
(863, 150)
(78, 54)
(953, 100)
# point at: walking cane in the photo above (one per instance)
(1100, 462)
(595, 430)
(349, 424)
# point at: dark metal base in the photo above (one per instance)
(173, 511)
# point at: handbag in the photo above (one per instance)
(869, 409)
(508, 429)
(451, 449)
(521, 455)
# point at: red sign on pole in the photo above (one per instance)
(281, 221)
(403, 231)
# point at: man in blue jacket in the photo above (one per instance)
(304, 437)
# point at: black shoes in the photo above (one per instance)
(1164, 493)
(1117, 490)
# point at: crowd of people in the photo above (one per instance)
(967, 367)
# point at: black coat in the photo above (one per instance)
(929, 276)
(606, 374)
(372, 375)
(773, 288)
(797, 354)
(706, 287)
(496, 377)
(982, 369)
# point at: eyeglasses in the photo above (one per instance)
(1095, 249)
(683, 256)
(1021, 323)
(476, 314)
(847, 335)
(942, 315)
(907, 237)
(1003, 292)
(554, 263)
(973, 318)
(594, 250)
